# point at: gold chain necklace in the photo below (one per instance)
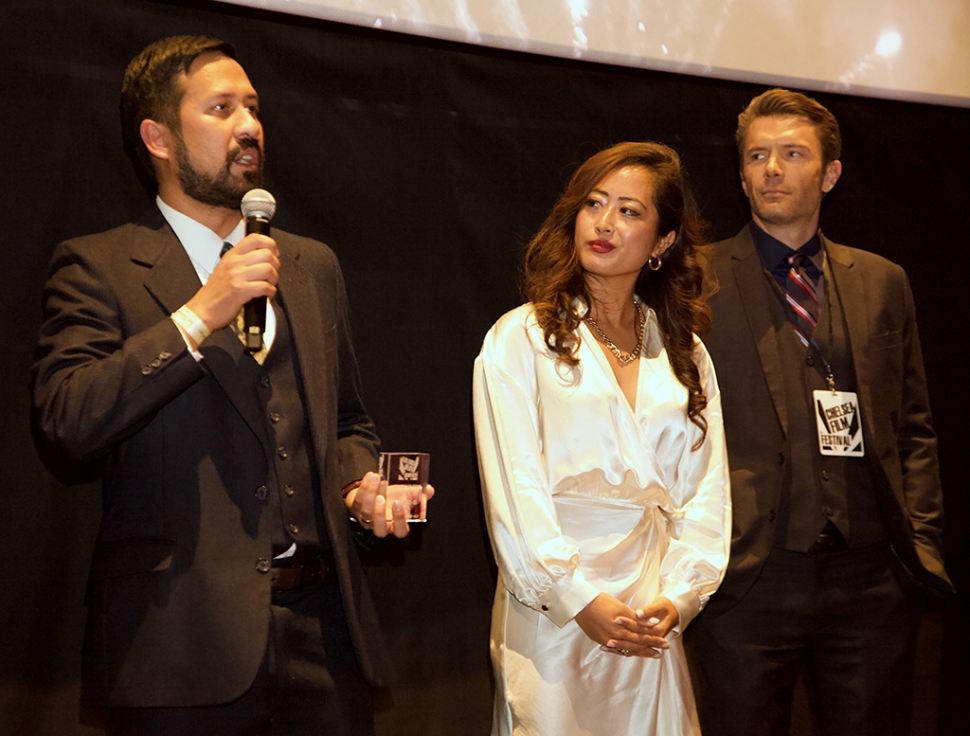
(621, 357)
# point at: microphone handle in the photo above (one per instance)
(254, 313)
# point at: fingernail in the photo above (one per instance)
(654, 621)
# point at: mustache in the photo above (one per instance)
(243, 145)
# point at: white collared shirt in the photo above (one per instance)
(204, 249)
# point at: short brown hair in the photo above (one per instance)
(150, 90)
(779, 102)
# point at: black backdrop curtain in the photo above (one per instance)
(426, 166)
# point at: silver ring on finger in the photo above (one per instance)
(624, 652)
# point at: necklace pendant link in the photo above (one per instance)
(621, 357)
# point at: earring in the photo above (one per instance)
(653, 263)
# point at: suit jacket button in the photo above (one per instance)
(264, 381)
(771, 515)
(825, 475)
(827, 510)
(262, 493)
(781, 458)
(164, 355)
(810, 360)
(156, 363)
(545, 607)
(263, 566)
(146, 369)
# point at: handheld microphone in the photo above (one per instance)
(258, 207)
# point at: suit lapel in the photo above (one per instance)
(848, 284)
(172, 280)
(750, 279)
(298, 295)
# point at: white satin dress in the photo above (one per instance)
(586, 494)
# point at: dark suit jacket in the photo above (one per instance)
(178, 611)
(899, 440)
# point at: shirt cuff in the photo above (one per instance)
(561, 603)
(190, 326)
(685, 600)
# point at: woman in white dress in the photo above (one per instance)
(601, 450)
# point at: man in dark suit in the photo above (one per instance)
(225, 593)
(834, 474)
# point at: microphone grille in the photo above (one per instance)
(258, 202)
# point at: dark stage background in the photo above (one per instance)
(426, 166)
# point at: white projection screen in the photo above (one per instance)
(917, 50)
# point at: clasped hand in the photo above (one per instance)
(619, 629)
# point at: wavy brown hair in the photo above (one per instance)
(677, 292)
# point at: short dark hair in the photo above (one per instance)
(779, 102)
(151, 90)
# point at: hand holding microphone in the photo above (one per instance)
(245, 276)
(258, 207)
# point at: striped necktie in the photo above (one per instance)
(801, 297)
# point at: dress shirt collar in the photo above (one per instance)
(774, 254)
(201, 244)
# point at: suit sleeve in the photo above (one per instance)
(357, 440)
(94, 383)
(916, 440)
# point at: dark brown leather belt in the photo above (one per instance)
(290, 574)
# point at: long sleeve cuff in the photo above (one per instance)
(685, 600)
(562, 602)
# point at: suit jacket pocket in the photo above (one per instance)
(134, 556)
(886, 340)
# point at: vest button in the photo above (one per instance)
(781, 458)
(262, 493)
(825, 475)
(263, 566)
(771, 515)
(281, 451)
(275, 416)
(294, 529)
(828, 510)
(264, 381)
(289, 491)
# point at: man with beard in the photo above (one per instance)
(834, 476)
(225, 593)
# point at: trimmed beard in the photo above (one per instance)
(222, 189)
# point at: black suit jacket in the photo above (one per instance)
(899, 439)
(178, 609)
